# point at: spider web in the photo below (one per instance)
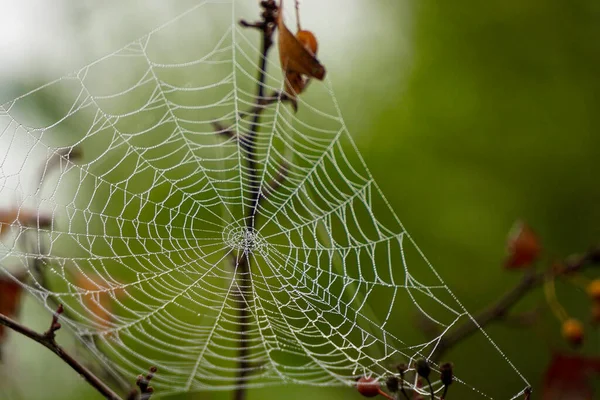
(146, 223)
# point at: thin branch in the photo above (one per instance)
(220, 129)
(276, 182)
(47, 339)
(501, 307)
(267, 27)
(260, 104)
(264, 102)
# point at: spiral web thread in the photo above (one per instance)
(146, 221)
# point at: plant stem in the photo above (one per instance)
(248, 144)
(430, 389)
(47, 340)
(501, 307)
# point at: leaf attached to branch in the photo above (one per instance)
(523, 247)
(298, 58)
(10, 298)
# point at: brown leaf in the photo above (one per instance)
(523, 247)
(568, 376)
(23, 217)
(298, 57)
(10, 299)
(7, 217)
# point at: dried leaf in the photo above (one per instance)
(523, 247)
(10, 299)
(99, 301)
(7, 217)
(23, 217)
(298, 57)
(568, 377)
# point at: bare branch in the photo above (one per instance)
(222, 130)
(500, 308)
(247, 143)
(47, 339)
(276, 182)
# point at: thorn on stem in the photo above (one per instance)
(54, 325)
(255, 25)
(268, 18)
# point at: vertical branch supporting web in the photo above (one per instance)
(230, 249)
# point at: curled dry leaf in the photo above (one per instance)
(298, 58)
(11, 293)
(23, 217)
(7, 217)
(523, 247)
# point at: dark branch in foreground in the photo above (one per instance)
(500, 308)
(266, 26)
(47, 339)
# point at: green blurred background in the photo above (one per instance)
(469, 116)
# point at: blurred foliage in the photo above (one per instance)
(498, 121)
(493, 118)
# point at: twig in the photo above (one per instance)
(297, 4)
(47, 339)
(248, 143)
(276, 182)
(264, 102)
(501, 307)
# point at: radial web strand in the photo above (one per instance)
(147, 219)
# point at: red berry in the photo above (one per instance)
(593, 289)
(368, 387)
(572, 331)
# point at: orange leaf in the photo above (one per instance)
(309, 41)
(98, 303)
(523, 247)
(298, 57)
(10, 299)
